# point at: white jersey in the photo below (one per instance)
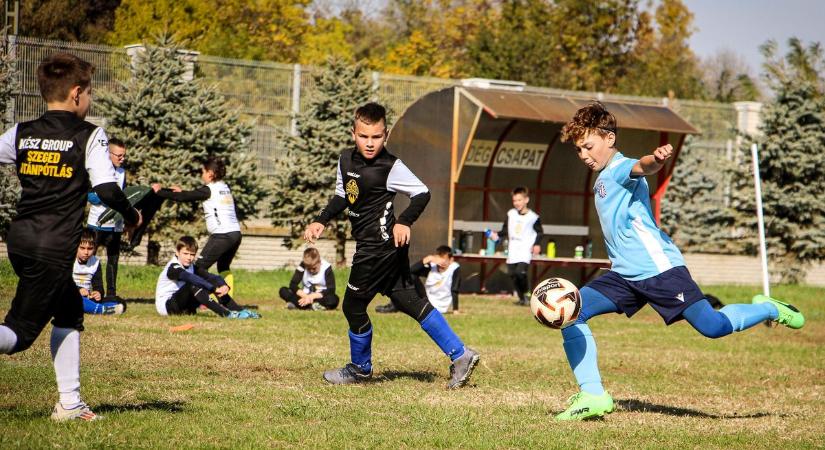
(439, 287)
(82, 273)
(97, 210)
(219, 209)
(521, 235)
(314, 283)
(167, 287)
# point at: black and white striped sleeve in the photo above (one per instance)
(401, 179)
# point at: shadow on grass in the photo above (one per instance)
(151, 301)
(392, 375)
(642, 406)
(154, 405)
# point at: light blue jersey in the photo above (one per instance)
(637, 248)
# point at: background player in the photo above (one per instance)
(646, 265)
(57, 156)
(443, 281)
(312, 285)
(367, 180)
(87, 276)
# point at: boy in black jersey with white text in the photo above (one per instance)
(368, 179)
(59, 156)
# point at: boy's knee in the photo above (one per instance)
(355, 311)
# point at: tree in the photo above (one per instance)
(73, 20)
(791, 140)
(172, 126)
(727, 78)
(9, 184)
(306, 173)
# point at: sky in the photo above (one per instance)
(743, 25)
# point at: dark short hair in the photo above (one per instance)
(311, 256)
(187, 242)
(117, 142)
(57, 74)
(444, 250)
(523, 190)
(592, 118)
(88, 236)
(217, 166)
(370, 113)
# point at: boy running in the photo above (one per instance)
(646, 265)
(367, 180)
(58, 157)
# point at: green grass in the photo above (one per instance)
(258, 383)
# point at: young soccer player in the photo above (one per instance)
(312, 285)
(443, 280)
(87, 277)
(58, 156)
(367, 180)
(182, 287)
(523, 230)
(646, 265)
(109, 233)
(219, 212)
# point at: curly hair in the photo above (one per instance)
(593, 117)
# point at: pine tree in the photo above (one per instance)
(171, 127)
(306, 173)
(791, 146)
(9, 184)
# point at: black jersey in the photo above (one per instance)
(58, 157)
(367, 189)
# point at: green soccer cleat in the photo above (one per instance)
(788, 314)
(585, 406)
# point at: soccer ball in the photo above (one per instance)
(556, 303)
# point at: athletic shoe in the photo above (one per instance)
(120, 308)
(788, 314)
(386, 309)
(79, 412)
(348, 374)
(523, 302)
(252, 314)
(242, 314)
(290, 305)
(584, 406)
(318, 307)
(462, 368)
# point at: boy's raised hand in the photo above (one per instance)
(313, 232)
(663, 153)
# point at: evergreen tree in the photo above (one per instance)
(171, 127)
(791, 146)
(305, 175)
(9, 184)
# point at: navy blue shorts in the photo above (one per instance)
(669, 293)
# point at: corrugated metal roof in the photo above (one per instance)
(539, 107)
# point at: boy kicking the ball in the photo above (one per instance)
(646, 265)
(368, 179)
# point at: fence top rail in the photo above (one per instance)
(42, 42)
(244, 62)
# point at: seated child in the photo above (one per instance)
(87, 276)
(443, 280)
(182, 287)
(312, 285)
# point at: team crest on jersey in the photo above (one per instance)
(352, 191)
(600, 189)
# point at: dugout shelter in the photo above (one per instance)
(471, 145)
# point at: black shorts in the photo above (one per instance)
(220, 248)
(379, 270)
(669, 293)
(44, 291)
(183, 301)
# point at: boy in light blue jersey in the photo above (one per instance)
(646, 265)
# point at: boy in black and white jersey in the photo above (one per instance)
(312, 286)
(442, 281)
(89, 279)
(367, 180)
(59, 156)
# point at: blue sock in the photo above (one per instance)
(745, 315)
(580, 348)
(92, 307)
(360, 349)
(440, 332)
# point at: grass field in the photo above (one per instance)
(258, 383)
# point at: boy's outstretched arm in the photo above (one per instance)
(650, 164)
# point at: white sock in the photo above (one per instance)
(7, 339)
(65, 344)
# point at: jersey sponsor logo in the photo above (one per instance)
(352, 191)
(349, 286)
(45, 144)
(681, 297)
(353, 214)
(353, 174)
(600, 189)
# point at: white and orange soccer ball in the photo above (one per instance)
(556, 303)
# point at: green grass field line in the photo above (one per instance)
(256, 384)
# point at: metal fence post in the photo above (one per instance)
(296, 99)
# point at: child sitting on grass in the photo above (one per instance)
(312, 285)
(89, 279)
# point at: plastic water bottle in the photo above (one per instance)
(551, 249)
(578, 252)
(491, 244)
(588, 249)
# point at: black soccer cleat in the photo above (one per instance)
(349, 374)
(462, 368)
